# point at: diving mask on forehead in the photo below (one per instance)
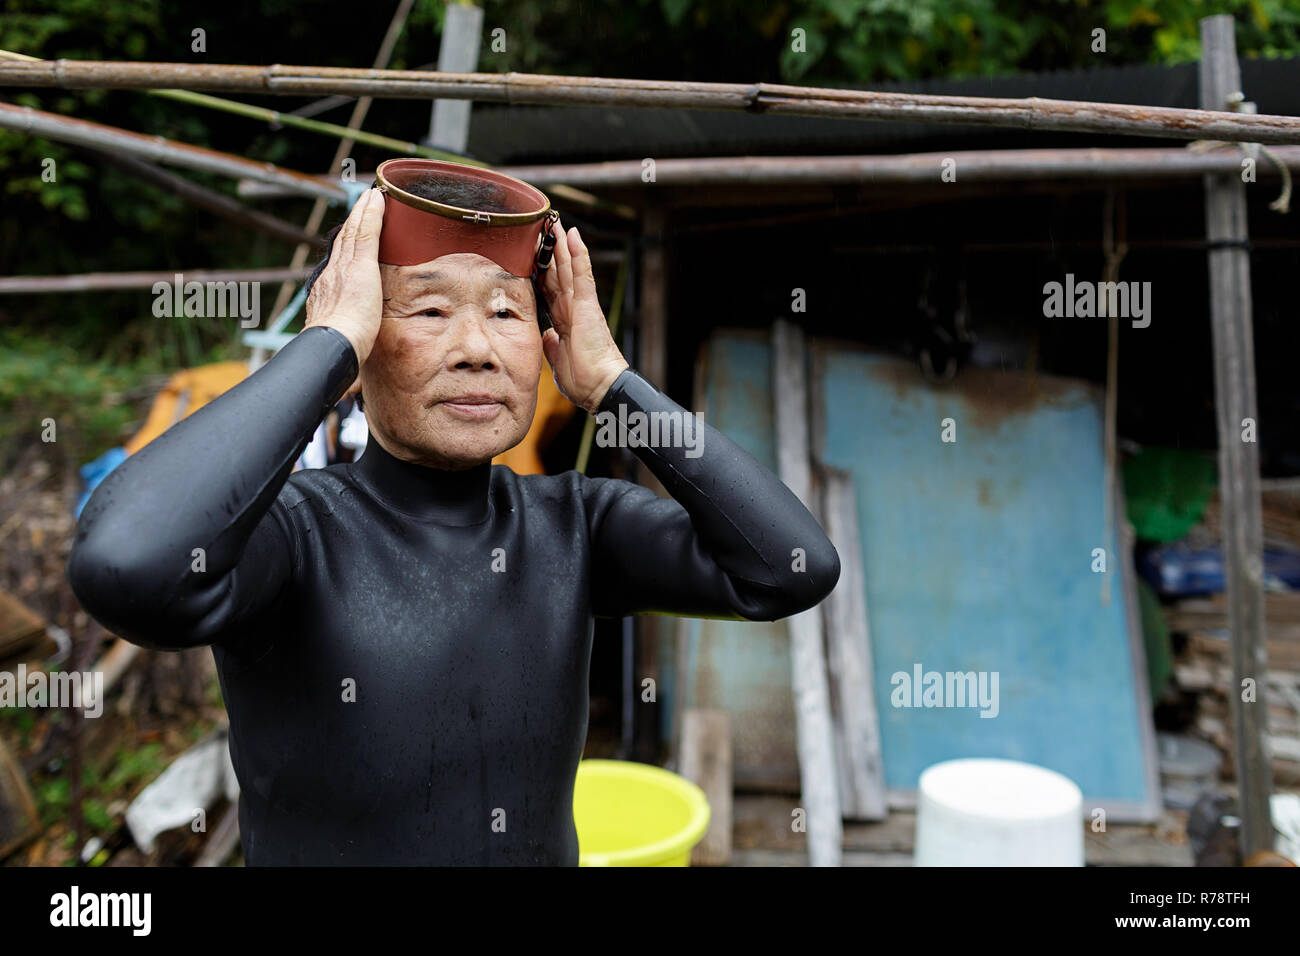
(416, 229)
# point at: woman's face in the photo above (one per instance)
(452, 379)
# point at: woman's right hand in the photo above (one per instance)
(348, 295)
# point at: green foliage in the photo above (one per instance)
(52, 799)
(96, 814)
(129, 772)
(868, 40)
(132, 768)
(23, 720)
(41, 378)
(1167, 29)
(108, 781)
(72, 29)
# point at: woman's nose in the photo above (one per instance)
(472, 343)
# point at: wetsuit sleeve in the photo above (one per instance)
(733, 541)
(186, 540)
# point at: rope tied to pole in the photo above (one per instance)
(1237, 104)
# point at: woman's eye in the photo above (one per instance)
(433, 312)
(504, 314)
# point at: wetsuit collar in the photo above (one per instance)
(418, 491)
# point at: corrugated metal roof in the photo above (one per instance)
(528, 134)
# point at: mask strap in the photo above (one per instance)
(544, 254)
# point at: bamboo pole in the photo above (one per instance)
(111, 281)
(158, 149)
(1235, 411)
(995, 165)
(981, 166)
(276, 118)
(1029, 113)
(401, 147)
(214, 202)
(1198, 246)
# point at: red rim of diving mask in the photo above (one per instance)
(417, 230)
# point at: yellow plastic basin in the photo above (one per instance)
(632, 814)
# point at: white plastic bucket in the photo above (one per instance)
(985, 812)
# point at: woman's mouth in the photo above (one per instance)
(473, 408)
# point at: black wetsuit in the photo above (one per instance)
(404, 651)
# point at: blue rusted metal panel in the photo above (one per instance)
(979, 557)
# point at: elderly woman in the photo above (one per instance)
(403, 641)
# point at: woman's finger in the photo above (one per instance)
(551, 349)
(554, 286)
(584, 281)
(563, 260)
(347, 238)
(371, 224)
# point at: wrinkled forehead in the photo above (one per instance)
(456, 274)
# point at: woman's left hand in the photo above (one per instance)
(579, 346)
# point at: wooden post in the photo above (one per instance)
(462, 32)
(652, 324)
(706, 762)
(651, 361)
(848, 650)
(815, 731)
(1234, 387)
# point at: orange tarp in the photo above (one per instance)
(184, 393)
(553, 410)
